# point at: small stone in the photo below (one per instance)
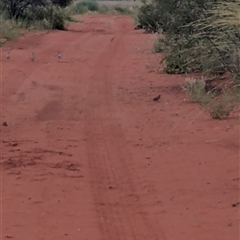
(5, 124)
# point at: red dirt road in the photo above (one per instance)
(87, 154)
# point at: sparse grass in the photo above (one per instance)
(218, 107)
(40, 17)
(199, 36)
(85, 6)
(104, 7)
(55, 17)
(34, 18)
(157, 46)
(122, 9)
(195, 90)
(222, 106)
(120, 3)
(8, 30)
(127, 10)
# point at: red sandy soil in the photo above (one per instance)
(87, 154)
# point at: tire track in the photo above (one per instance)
(124, 220)
(115, 214)
(118, 148)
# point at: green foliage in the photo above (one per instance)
(158, 46)
(85, 6)
(57, 18)
(62, 3)
(221, 107)
(52, 17)
(122, 10)
(15, 8)
(218, 106)
(8, 30)
(195, 90)
(103, 9)
(217, 40)
(2, 7)
(94, 6)
(202, 36)
(164, 15)
(149, 17)
(43, 14)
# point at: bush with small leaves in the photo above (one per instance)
(58, 18)
(84, 6)
(62, 3)
(195, 90)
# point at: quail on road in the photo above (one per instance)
(8, 55)
(59, 55)
(157, 98)
(33, 57)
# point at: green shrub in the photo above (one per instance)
(199, 36)
(220, 34)
(58, 19)
(158, 45)
(62, 3)
(195, 90)
(2, 7)
(221, 107)
(149, 17)
(32, 14)
(165, 15)
(53, 17)
(84, 6)
(103, 9)
(218, 106)
(92, 6)
(122, 10)
(39, 14)
(80, 9)
(8, 29)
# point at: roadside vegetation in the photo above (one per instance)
(200, 37)
(17, 15)
(106, 7)
(43, 14)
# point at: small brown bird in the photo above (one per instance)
(5, 124)
(157, 98)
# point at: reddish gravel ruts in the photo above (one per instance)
(88, 155)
